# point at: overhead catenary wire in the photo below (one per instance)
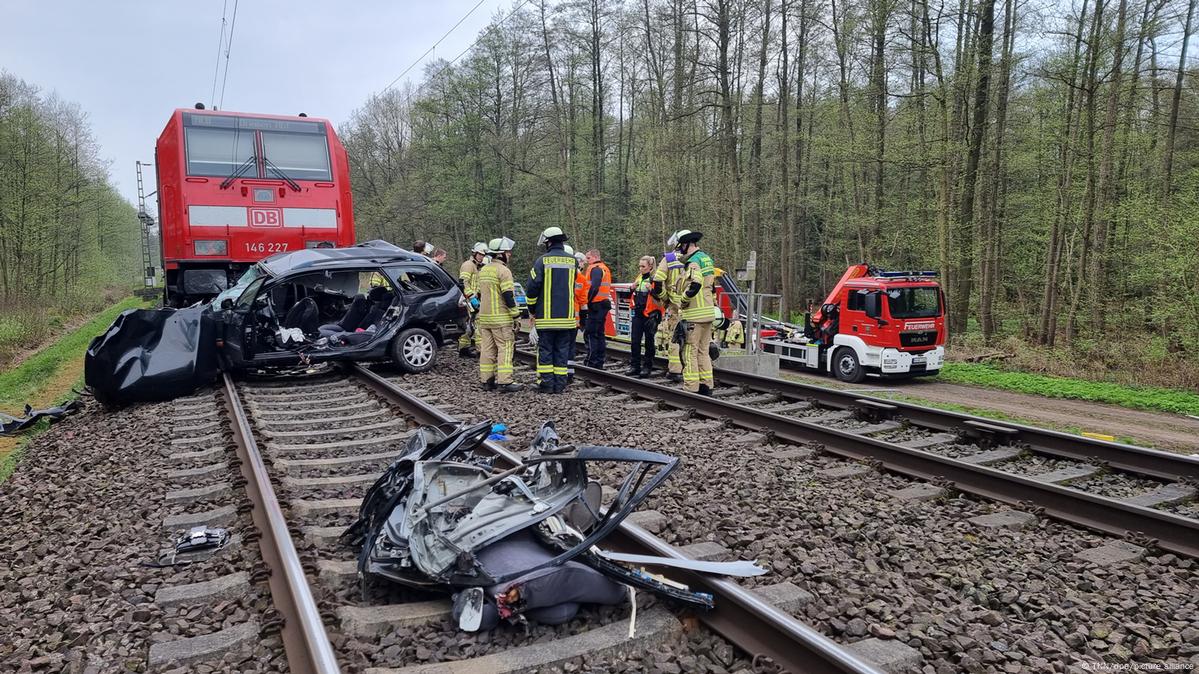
(228, 47)
(220, 46)
(434, 46)
(451, 62)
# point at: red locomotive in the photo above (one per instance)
(234, 188)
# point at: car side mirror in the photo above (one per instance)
(874, 305)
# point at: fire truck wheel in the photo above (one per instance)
(414, 350)
(847, 367)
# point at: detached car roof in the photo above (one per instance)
(370, 252)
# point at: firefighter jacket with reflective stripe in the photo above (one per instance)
(468, 277)
(497, 304)
(550, 291)
(599, 283)
(699, 307)
(641, 301)
(670, 268)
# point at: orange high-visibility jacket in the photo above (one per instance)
(605, 288)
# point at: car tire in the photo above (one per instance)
(847, 367)
(414, 350)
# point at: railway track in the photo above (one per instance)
(1144, 496)
(310, 447)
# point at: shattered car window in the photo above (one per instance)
(238, 288)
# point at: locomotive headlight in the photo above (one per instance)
(214, 247)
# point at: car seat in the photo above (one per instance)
(303, 315)
(358, 309)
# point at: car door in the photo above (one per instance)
(239, 322)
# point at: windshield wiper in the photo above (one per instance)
(271, 165)
(250, 161)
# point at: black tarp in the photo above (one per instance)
(152, 354)
(10, 425)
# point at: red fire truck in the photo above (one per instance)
(234, 188)
(887, 323)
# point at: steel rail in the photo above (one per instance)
(304, 638)
(1118, 455)
(739, 615)
(1171, 532)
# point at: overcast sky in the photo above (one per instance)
(129, 64)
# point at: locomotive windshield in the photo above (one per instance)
(218, 152)
(923, 302)
(217, 145)
(296, 156)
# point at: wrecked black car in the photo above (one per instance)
(370, 302)
(513, 543)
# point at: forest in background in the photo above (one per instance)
(69, 243)
(1040, 156)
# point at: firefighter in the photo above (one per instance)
(666, 279)
(550, 295)
(646, 314)
(498, 313)
(468, 283)
(698, 312)
(599, 303)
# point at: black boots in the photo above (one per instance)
(674, 377)
(468, 352)
(488, 385)
(510, 388)
(705, 390)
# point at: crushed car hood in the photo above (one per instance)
(152, 354)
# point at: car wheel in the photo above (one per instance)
(847, 367)
(414, 350)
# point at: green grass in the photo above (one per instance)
(46, 378)
(22, 383)
(1136, 397)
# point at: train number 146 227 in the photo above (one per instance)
(266, 247)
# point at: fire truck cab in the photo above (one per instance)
(888, 324)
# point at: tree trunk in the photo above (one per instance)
(960, 307)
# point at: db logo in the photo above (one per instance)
(266, 217)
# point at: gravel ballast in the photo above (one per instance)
(968, 598)
(80, 519)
